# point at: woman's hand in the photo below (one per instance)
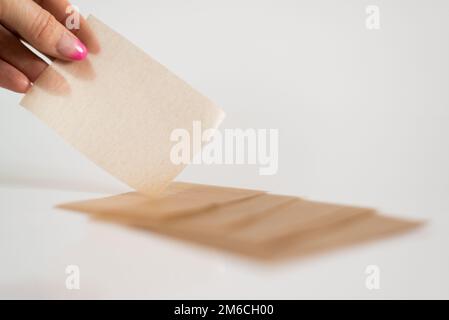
(41, 23)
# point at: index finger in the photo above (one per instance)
(68, 16)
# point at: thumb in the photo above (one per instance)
(41, 29)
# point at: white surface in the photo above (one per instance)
(363, 118)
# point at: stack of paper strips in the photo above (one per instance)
(248, 222)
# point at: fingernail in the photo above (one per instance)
(71, 47)
(22, 84)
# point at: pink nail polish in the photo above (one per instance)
(71, 47)
(80, 51)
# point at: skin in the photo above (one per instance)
(40, 23)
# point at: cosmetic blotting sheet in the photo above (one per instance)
(119, 108)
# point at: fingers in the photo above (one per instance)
(41, 29)
(16, 54)
(12, 79)
(42, 23)
(63, 12)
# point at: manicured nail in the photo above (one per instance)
(23, 85)
(16, 82)
(71, 47)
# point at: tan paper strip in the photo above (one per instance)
(300, 215)
(177, 200)
(119, 107)
(306, 242)
(227, 217)
(346, 233)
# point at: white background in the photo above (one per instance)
(363, 119)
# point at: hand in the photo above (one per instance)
(41, 24)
